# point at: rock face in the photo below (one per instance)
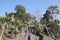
(47, 38)
(34, 37)
(30, 35)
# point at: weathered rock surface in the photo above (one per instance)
(47, 38)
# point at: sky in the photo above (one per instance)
(30, 5)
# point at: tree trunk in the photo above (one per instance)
(3, 28)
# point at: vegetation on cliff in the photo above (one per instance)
(11, 23)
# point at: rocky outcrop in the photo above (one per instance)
(47, 38)
(31, 34)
